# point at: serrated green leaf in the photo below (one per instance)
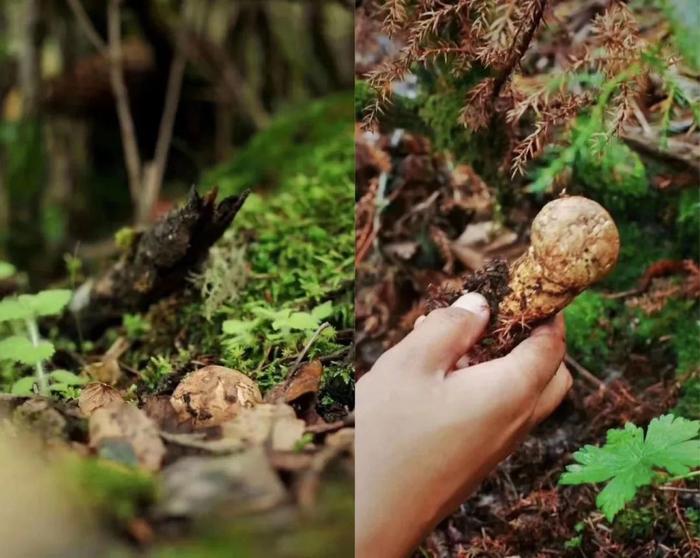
(20, 349)
(23, 387)
(68, 378)
(47, 303)
(13, 309)
(7, 270)
(628, 460)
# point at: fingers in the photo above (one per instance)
(446, 334)
(537, 359)
(553, 394)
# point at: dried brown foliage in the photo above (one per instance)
(494, 38)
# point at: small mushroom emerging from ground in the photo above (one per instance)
(574, 243)
(214, 394)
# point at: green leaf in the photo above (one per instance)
(13, 309)
(23, 386)
(68, 378)
(20, 349)
(47, 303)
(302, 321)
(628, 460)
(323, 311)
(7, 270)
(237, 327)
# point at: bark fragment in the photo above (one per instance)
(158, 261)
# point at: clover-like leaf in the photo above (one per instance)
(323, 311)
(68, 378)
(23, 387)
(12, 309)
(20, 349)
(47, 303)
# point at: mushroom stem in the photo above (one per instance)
(574, 243)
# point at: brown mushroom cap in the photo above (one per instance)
(214, 394)
(575, 241)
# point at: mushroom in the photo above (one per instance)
(574, 243)
(214, 394)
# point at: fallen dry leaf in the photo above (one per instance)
(122, 432)
(214, 394)
(274, 426)
(40, 415)
(107, 369)
(304, 381)
(95, 396)
(244, 482)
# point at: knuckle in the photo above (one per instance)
(451, 316)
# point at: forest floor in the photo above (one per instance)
(151, 443)
(425, 216)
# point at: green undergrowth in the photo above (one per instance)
(116, 492)
(285, 268)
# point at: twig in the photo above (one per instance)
(585, 374)
(678, 489)
(306, 348)
(87, 26)
(121, 94)
(153, 175)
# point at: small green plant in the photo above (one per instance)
(135, 326)
(74, 267)
(26, 347)
(156, 370)
(629, 460)
(7, 270)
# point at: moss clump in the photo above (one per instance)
(634, 524)
(117, 492)
(688, 405)
(614, 176)
(309, 537)
(588, 328)
(688, 221)
(640, 246)
(286, 148)
(298, 265)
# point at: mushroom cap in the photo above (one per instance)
(214, 394)
(575, 241)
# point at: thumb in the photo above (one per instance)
(447, 333)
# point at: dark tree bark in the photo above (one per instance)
(157, 263)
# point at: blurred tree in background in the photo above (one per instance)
(111, 109)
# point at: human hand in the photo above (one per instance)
(430, 430)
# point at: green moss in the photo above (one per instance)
(364, 97)
(688, 221)
(117, 492)
(613, 175)
(588, 328)
(634, 524)
(287, 147)
(688, 405)
(676, 318)
(299, 245)
(293, 537)
(641, 244)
